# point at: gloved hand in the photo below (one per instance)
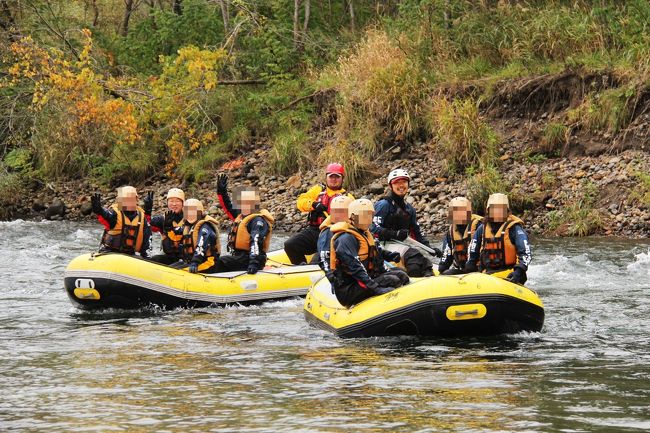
(222, 183)
(372, 285)
(168, 224)
(96, 201)
(394, 256)
(193, 268)
(148, 203)
(319, 207)
(517, 276)
(252, 269)
(437, 252)
(401, 234)
(470, 267)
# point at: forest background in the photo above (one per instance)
(119, 91)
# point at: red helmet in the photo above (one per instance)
(335, 167)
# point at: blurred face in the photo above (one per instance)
(400, 187)
(175, 204)
(363, 220)
(191, 213)
(334, 181)
(128, 202)
(338, 215)
(247, 200)
(498, 213)
(460, 215)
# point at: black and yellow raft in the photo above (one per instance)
(99, 281)
(459, 305)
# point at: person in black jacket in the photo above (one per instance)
(171, 243)
(396, 220)
(126, 227)
(357, 269)
(250, 235)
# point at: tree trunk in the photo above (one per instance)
(225, 14)
(95, 9)
(177, 7)
(447, 14)
(124, 27)
(305, 23)
(352, 18)
(296, 14)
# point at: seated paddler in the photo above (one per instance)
(200, 237)
(357, 270)
(455, 245)
(172, 245)
(126, 229)
(338, 213)
(250, 233)
(501, 243)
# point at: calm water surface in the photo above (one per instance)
(264, 369)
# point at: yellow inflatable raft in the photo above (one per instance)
(95, 281)
(459, 305)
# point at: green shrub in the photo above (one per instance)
(379, 90)
(11, 187)
(609, 110)
(554, 137)
(19, 159)
(482, 184)
(465, 140)
(289, 152)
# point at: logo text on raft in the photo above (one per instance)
(84, 283)
(390, 296)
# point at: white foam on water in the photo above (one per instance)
(641, 263)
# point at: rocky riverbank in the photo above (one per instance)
(548, 186)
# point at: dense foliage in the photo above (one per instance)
(122, 89)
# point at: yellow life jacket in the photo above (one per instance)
(171, 242)
(460, 241)
(191, 238)
(497, 249)
(367, 248)
(127, 234)
(240, 239)
(327, 223)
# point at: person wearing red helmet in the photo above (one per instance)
(316, 202)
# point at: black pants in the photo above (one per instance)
(416, 264)
(352, 293)
(236, 262)
(165, 259)
(302, 243)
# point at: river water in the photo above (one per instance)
(251, 369)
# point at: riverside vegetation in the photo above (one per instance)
(548, 101)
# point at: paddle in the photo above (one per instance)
(413, 242)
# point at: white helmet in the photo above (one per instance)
(398, 173)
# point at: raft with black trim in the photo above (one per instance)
(97, 281)
(455, 305)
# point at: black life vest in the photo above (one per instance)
(400, 218)
(171, 242)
